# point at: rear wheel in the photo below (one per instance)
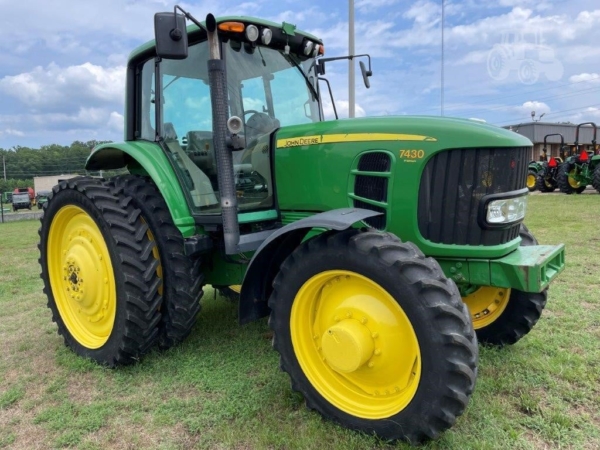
(373, 335)
(99, 272)
(566, 181)
(182, 277)
(503, 316)
(544, 183)
(596, 178)
(531, 176)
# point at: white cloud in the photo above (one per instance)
(529, 106)
(116, 122)
(343, 109)
(53, 86)
(11, 132)
(593, 77)
(366, 6)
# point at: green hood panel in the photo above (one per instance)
(316, 165)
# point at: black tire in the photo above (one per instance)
(521, 313)
(431, 302)
(596, 178)
(542, 184)
(531, 175)
(136, 285)
(563, 180)
(182, 276)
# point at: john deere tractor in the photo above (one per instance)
(381, 248)
(581, 169)
(533, 170)
(547, 177)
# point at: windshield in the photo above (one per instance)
(269, 88)
(266, 88)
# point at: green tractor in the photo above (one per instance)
(381, 248)
(581, 169)
(533, 170)
(547, 178)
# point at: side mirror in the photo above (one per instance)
(321, 68)
(365, 74)
(171, 35)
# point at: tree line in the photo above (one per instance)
(21, 164)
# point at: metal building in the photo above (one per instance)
(536, 131)
(47, 183)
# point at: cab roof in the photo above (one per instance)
(246, 19)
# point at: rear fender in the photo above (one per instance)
(147, 158)
(257, 284)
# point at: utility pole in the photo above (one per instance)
(4, 166)
(442, 68)
(351, 82)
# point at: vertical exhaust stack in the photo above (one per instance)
(218, 94)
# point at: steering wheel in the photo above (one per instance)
(248, 111)
(259, 123)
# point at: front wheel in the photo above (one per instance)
(99, 272)
(502, 316)
(374, 335)
(531, 176)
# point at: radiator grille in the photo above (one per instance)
(452, 185)
(369, 187)
(374, 162)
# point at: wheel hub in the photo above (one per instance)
(355, 344)
(347, 345)
(486, 304)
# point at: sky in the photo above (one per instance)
(62, 75)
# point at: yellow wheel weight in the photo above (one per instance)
(81, 276)
(355, 344)
(486, 305)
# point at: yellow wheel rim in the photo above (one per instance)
(81, 276)
(572, 181)
(237, 288)
(355, 344)
(530, 181)
(486, 304)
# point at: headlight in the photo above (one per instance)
(308, 46)
(252, 33)
(266, 35)
(505, 211)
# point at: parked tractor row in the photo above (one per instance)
(381, 248)
(575, 168)
(25, 198)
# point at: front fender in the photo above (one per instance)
(257, 284)
(147, 158)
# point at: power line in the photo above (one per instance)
(569, 94)
(488, 100)
(551, 113)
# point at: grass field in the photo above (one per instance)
(223, 389)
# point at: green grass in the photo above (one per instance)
(222, 388)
